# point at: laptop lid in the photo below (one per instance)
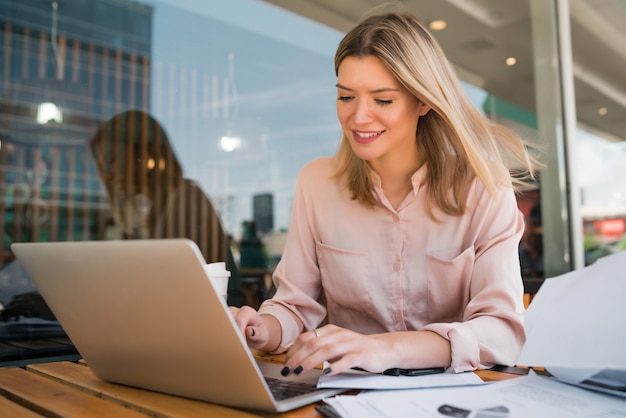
(143, 313)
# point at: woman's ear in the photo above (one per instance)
(422, 109)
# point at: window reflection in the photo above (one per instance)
(112, 115)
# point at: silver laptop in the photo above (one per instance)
(143, 313)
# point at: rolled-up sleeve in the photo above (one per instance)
(491, 330)
(297, 275)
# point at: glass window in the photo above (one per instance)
(603, 194)
(601, 113)
(113, 111)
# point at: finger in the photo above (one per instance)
(340, 365)
(245, 317)
(296, 352)
(257, 336)
(238, 319)
(315, 350)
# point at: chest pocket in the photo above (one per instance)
(345, 277)
(449, 285)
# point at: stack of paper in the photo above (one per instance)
(575, 326)
(522, 397)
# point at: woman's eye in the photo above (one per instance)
(383, 102)
(344, 98)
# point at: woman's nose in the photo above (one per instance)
(362, 111)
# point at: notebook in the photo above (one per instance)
(143, 313)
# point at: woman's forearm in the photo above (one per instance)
(417, 349)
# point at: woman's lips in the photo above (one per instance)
(366, 137)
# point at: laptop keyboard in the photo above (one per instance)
(285, 389)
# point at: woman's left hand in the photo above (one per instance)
(342, 348)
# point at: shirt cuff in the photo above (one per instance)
(290, 328)
(464, 347)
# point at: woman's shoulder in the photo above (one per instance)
(318, 176)
(501, 194)
(320, 168)
(493, 177)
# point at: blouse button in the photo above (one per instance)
(395, 218)
(396, 267)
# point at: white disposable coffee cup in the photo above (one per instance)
(219, 277)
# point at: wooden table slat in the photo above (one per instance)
(9, 408)
(490, 375)
(51, 398)
(149, 402)
(67, 389)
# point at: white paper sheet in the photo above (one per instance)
(575, 324)
(522, 397)
(355, 379)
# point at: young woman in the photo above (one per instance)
(403, 248)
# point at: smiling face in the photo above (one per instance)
(378, 115)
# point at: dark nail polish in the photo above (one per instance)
(285, 371)
(298, 370)
(327, 370)
(252, 332)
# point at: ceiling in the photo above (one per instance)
(482, 33)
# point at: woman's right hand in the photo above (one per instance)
(252, 326)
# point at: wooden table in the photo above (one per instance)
(69, 389)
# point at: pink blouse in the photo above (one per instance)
(374, 270)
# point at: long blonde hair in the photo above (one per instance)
(454, 139)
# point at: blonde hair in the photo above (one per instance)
(454, 140)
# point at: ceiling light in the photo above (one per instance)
(438, 24)
(48, 111)
(230, 142)
(510, 61)
(603, 111)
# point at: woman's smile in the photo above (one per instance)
(363, 137)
